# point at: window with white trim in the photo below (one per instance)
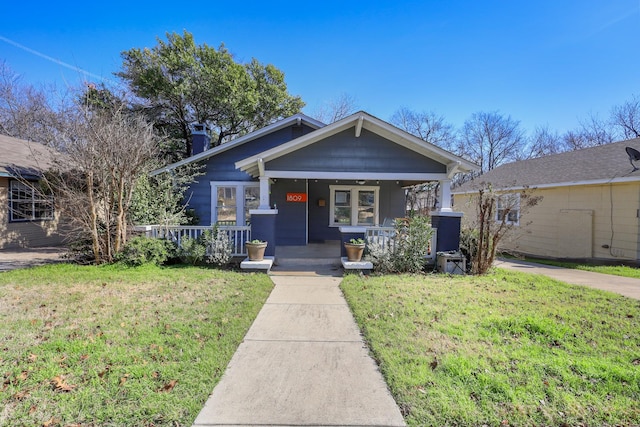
(508, 205)
(28, 202)
(353, 205)
(231, 202)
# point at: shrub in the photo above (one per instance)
(192, 251)
(469, 245)
(220, 247)
(405, 251)
(211, 247)
(144, 250)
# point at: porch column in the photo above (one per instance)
(445, 196)
(446, 221)
(264, 193)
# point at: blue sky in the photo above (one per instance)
(544, 62)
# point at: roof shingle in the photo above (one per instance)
(602, 163)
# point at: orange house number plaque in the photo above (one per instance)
(297, 197)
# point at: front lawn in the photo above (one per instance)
(504, 349)
(111, 346)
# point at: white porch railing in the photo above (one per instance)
(238, 235)
(384, 236)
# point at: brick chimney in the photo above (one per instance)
(199, 138)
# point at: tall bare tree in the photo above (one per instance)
(626, 118)
(427, 126)
(336, 109)
(27, 112)
(106, 152)
(543, 142)
(491, 139)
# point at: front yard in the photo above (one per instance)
(88, 346)
(503, 349)
(110, 346)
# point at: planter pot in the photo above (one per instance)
(255, 251)
(354, 251)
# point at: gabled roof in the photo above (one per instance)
(23, 159)
(595, 165)
(280, 124)
(358, 121)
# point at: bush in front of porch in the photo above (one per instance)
(404, 250)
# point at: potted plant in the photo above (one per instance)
(355, 249)
(255, 249)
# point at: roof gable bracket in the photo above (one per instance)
(359, 126)
(452, 168)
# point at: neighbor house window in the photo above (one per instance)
(232, 201)
(29, 202)
(353, 205)
(508, 208)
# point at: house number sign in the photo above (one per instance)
(297, 197)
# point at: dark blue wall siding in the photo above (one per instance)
(291, 221)
(319, 229)
(222, 168)
(391, 205)
(368, 153)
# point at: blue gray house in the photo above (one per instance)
(298, 181)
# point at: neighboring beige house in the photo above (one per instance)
(589, 209)
(27, 219)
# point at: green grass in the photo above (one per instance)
(112, 346)
(504, 349)
(616, 270)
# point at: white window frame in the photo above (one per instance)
(240, 187)
(515, 207)
(34, 198)
(354, 203)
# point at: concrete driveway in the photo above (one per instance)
(626, 286)
(10, 259)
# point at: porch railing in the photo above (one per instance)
(385, 237)
(238, 235)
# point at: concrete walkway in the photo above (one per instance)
(626, 286)
(302, 363)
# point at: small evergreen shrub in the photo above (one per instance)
(192, 251)
(142, 250)
(469, 245)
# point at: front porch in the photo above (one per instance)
(310, 257)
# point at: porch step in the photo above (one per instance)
(306, 261)
(307, 267)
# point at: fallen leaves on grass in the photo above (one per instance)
(168, 386)
(50, 423)
(59, 384)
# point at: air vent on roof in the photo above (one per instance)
(634, 156)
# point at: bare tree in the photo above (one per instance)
(336, 109)
(427, 126)
(496, 215)
(106, 152)
(626, 118)
(491, 139)
(26, 112)
(544, 142)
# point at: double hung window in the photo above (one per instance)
(508, 208)
(29, 202)
(232, 202)
(353, 205)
